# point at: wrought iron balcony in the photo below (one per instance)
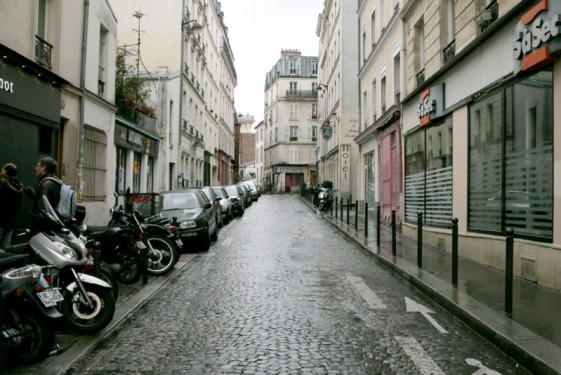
(43, 52)
(449, 51)
(494, 8)
(301, 93)
(421, 77)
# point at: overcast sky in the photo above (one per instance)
(258, 30)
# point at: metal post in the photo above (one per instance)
(378, 225)
(96, 258)
(144, 256)
(394, 245)
(356, 216)
(336, 207)
(509, 269)
(331, 207)
(365, 219)
(420, 239)
(455, 251)
(348, 209)
(342, 208)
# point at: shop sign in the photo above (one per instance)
(431, 104)
(279, 169)
(345, 161)
(537, 36)
(326, 130)
(6, 85)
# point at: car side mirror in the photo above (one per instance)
(208, 205)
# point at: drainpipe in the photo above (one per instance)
(178, 170)
(80, 163)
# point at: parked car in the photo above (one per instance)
(235, 193)
(246, 195)
(225, 204)
(253, 190)
(214, 199)
(192, 213)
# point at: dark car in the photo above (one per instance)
(214, 199)
(235, 193)
(192, 212)
(253, 190)
(247, 199)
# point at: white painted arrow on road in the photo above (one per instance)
(366, 292)
(413, 306)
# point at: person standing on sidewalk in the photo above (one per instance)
(11, 193)
(49, 187)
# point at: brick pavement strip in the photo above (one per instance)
(131, 297)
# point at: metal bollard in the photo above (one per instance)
(455, 251)
(348, 209)
(394, 245)
(336, 207)
(96, 258)
(342, 208)
(365, 219)
(378, 224)
(356, 216)
(509, 269)
(420, 239)
(144, 256)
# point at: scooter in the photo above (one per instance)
(325, 199)
(27, 310)
(88, 305)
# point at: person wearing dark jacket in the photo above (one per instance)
(11, 192)
(46, 167)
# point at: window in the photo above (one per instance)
(373, 99)
(293, 156)
(42, 19)
(150, 175)
(102, 72)
(95, 164)
(419, 48)
(382, 20)
(292, 67)
(397, 78)
(293, 87)
(364, 47)
(383, 93)
(294, 133)
(373, 28)
(121, 170)
(364, 111)
(136, 172)
(314, 67)
(428, 175)
(314, 111)
(450, 21)
(293, 113)
(511, 160)
(314, 133)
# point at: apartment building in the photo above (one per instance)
(58, 78)
(290, 122)
(338, 154)
(259, 153)
(380, 78)
(479, 124)
(188, 37)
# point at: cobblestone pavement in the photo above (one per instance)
(282, 292)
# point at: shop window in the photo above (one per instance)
(150, 175)
(95, 164)
(428, 175)
(136, 172)
(511, 160)
(120, 171)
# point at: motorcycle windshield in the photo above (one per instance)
(53, 216)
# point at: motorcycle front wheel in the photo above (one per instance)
(35, 339)
(84, 319)
(130, 264)
(163, 254)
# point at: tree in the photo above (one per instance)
(130, 92)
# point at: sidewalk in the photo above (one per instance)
(531, 335)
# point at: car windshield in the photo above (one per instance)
(176, 201)
(232, 191)
(219, 192)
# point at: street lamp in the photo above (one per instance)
(195, 26)
(321, 86)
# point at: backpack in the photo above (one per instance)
(68, 200)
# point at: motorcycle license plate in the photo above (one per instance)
(179, 242)
(50, 297)
(140, 245)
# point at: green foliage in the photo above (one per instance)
(130, 92)
(327, 184)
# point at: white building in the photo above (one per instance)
(290, 122)
(338, 101)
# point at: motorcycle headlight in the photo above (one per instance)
(83, 228)
(65, 250)
(31, 270)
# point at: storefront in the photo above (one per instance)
(137, 150)
(30, 102)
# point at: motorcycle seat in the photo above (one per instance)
(103, 235)
(8, 260)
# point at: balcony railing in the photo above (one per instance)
(421, 77)
(43, 52)
(301, 93)
(449, 51)
(494, 8)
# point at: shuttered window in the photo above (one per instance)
(95, 164)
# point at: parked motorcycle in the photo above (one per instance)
(324, 199)
(88, 305)
(26, 310)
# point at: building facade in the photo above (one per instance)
(290, 122)
(479, 125)
(338, 154)
(58, 75)
(380, 139)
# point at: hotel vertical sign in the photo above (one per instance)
(537, 36)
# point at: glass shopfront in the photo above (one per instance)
(511, 159)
